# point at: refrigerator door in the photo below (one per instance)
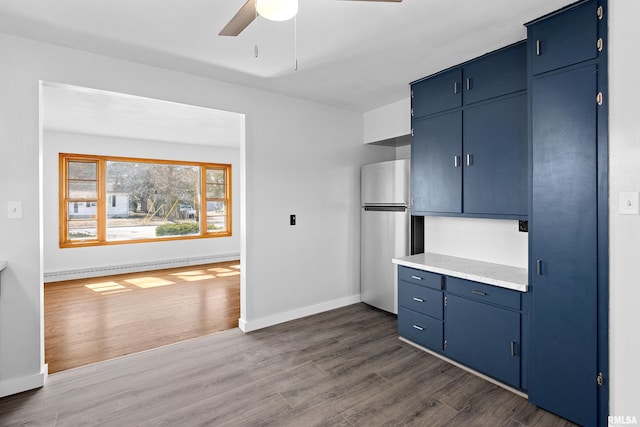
(386, 183)
(385, 235)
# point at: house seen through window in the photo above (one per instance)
(105, 200)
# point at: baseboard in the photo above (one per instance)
(83, 273)
(18, 385)
(264, 322)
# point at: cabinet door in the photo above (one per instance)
(435, 94)
(495, 157)
(498, 73)
(436, 164)
(563, 236)
(484, 337)
(565, 39)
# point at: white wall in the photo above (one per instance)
(489, 240)
(300, 157)
(58, 260)
(624, 232)
(389, 121)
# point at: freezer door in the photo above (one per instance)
(385, 183)
(385, 235)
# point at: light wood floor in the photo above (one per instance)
(345, 367)
(92, 320)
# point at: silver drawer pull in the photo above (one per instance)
(416, 277)
(418, 299)
(479, 292)
(513, 348)
(420, 328)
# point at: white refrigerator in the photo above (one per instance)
(385, 230)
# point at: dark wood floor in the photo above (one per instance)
(345, 367)
(92, 320)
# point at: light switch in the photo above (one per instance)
(629, 203)
(14, 210)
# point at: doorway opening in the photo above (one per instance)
(124, 298)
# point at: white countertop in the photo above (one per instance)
(504, 276)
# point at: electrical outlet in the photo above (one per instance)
(523, 226)
(292, 220)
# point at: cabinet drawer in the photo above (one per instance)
(420, 277)
(485, 293)
(418, 298)
(423, 330)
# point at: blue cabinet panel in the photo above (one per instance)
(498, 73)
(484, 293)
(438, 93)
(423, 330)
(567, 38)
(495, 157)
(484, 337)
(420, 299)
(436, 164)
(563, 236)
(420, 277)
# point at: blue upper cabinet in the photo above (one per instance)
(570, 37)
(495, 157)
(438, 93)
(469, 147)
(436, 163)
(498, 73)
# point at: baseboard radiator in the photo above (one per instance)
(83, 273)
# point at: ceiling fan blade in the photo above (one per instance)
(240, 20)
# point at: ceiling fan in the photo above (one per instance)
(275, 10)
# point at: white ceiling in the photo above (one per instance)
(67, 108)
(356, 55)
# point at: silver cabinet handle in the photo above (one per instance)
(539, 267)
(538, 48)
(513, 348)
(468, 83)
(455, 87)
(479, 292)
(420, 328)
(416, 277)
(469, 159)
(456, 161)
(418, 299)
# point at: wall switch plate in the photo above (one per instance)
(629, 203)
(14, 210)
(523, 226)
(292, 220)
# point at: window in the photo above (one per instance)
(110, 200)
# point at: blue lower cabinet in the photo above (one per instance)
(421, 329)
(478, 325)
(484, 337)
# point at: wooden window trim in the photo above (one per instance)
(102, 200)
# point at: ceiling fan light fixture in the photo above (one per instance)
(277, 10)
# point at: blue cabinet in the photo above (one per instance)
(469, 157)
(499, 73)
(495, 157)
(438, 93)
(568, 217)
(475, 324)
(436, 163)
(566, 38)
(484, 337)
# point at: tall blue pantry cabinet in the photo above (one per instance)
(568, 213)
